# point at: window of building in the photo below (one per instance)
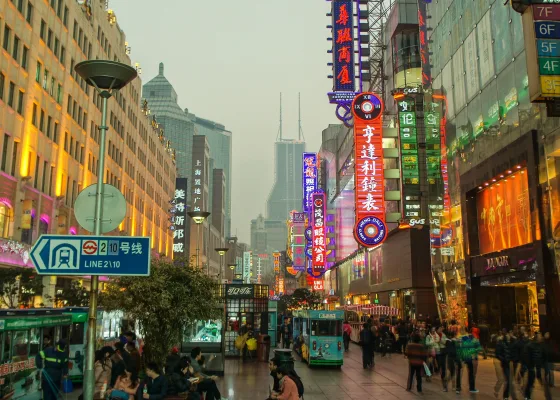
(15, 49)
(66, 141)
(42, 121)
(11, 94)
(14, 158)
(34, 115)
(20, 102)
(44, 176)
(80, 35)
(59, 94)
(65, 18)
(2, 85)
(45, 79)
(43, 29)
(51, 177)
(24, 57)
(36, 175)
(69, 105)
(20, 6)
(53, 4)
(38, 72)
(29, 16)
(7, 34)
(56, 46)
(5, 145)
(49, 126)
(49, 38)
(75, 31)
(62, 54)
(4, 220)
(59, 9)
(51, 89)
(55, 132)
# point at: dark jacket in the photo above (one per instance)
(534, 354)
(403, 331)
(54, 361)
(177, 383)
(157, 388)
(517, 349)
(365, 337)
(503, 351)
(135, 363)
(484, 334)
(451, 350)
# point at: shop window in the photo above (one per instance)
(19, 345)
(326, 328)
(34, 341)
(6, 346)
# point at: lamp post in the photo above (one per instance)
(232, 267)
(198, 217)
(222, 252)
(106, 77)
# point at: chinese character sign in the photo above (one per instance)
(370, 229)
(309, 179)
(198, 194)
(410, 171)
(344, 76)
(276, 257)
(247, 266)
(179, 218)
(297, 244)
(319, 253)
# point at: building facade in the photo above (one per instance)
(49, 129)
(499, 265)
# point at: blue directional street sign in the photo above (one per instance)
(91, 255)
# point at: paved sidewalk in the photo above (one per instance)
(387, 381)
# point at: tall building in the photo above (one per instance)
(163, 103)
(287, 193)
(181, 125)
(49, 130)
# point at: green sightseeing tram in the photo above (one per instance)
(22, 333)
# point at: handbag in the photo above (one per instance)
(427, 370)
(67, 386)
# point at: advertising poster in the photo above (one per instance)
(459, 81)
(504, 219)
(471, 65)
(501, 35)
(247, 266)
(325, 348)
(484, 34)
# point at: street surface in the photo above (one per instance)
(387, 381)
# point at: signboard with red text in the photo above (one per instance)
(370, 229)
(319, 234)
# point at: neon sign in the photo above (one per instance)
(309, 179)
(296, 231)
(409, 157)
(276, 257)
(319, 235)
(179, 216)
(370, 229)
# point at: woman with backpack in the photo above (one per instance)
(288, 387)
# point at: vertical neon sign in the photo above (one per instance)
(309, 179)
(319, 235)
(370, 229)
(344, 75)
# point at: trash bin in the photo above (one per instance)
(284, 358)
(263, 348)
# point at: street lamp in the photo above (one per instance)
(232, 267)
(198, 217)
(222, 252)
(106, 77)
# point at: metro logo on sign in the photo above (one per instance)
(89, 247)
(370, 229)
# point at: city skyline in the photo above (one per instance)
(250, 111)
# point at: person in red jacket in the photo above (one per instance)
(346, 334)
(288, 388)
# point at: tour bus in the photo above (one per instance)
(22, 332)
(322, 336)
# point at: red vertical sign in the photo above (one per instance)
(370, 229)
(319, 234)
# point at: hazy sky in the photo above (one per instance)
(228, 62)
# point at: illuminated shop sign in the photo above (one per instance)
(409, 157)
(296, 232)
(198, 194)
(424, 48)
(276, 257)
(179, 216)
(370, 229)
(345, 35)
(319, 234)
(247, 266)
(309, 179)
(318, 285)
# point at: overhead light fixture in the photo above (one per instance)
(509, 171)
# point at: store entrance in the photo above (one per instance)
(508, 305)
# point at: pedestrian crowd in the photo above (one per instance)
(448, 350)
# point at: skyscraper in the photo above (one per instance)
(286, 194)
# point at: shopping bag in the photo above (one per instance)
(67, 386)
(427, 370)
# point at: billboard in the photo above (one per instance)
(247, 266)
(319, 237)
(503, 215)
(370, 229)
(179, 216)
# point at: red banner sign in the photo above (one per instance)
(319, 234)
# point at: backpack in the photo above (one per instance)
(297, 380)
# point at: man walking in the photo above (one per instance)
(416, 357)
(366, 343)
(54, 364)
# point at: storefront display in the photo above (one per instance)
(206, 331)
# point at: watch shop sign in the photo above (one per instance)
(240, 291)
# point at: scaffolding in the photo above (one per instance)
(378, 14)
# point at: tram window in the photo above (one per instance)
(77, 334)
(34, 341)
(7, 338)
(19, 344)
(65, 332)
(326, 328)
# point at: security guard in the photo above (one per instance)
(54, 364)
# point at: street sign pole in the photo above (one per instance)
(92, 320)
